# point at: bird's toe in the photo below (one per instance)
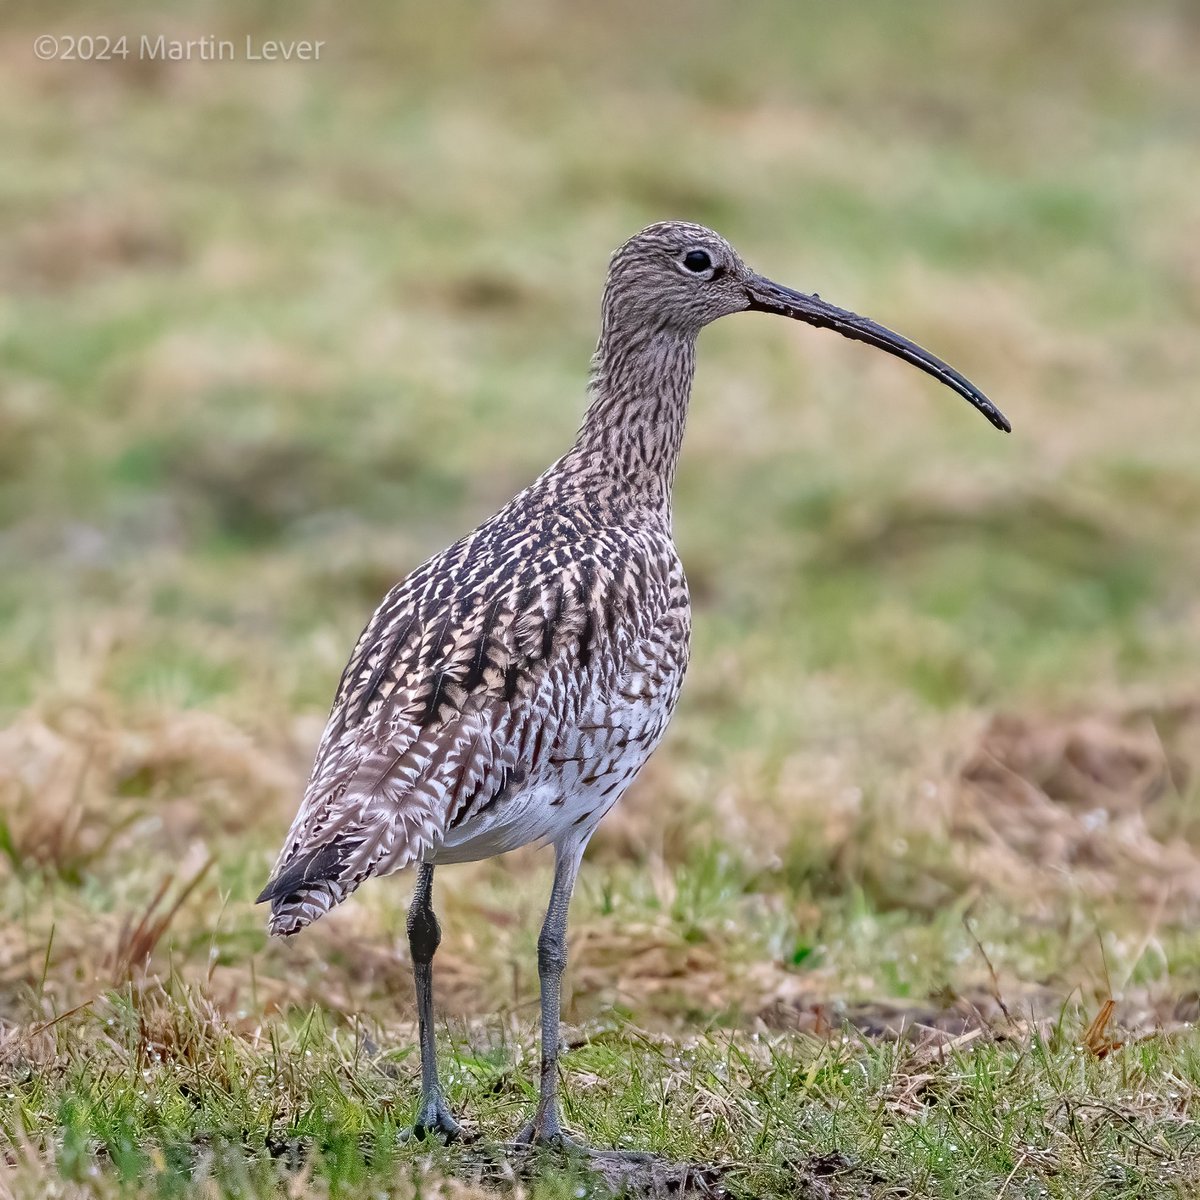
(434, 1121)
(548, 1134)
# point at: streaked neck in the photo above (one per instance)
(632, 432)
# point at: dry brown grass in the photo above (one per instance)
(82, 780)
(1095, 802)
(1046, 812)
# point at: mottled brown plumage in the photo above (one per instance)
(509, 689)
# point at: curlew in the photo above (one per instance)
(508, 690)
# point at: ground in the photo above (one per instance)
(906, 904)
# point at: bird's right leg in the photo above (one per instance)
(424, 935)
(544, 1128)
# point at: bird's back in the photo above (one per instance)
(505, 692)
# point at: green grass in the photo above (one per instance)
(949, 1120)
(269, 335)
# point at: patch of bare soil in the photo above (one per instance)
(613, 1172)
(836, 1177)
(941, 1024)
(1094, 802)
(935, 1025)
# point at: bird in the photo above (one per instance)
(509, 689)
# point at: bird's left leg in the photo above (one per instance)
(545, 1129)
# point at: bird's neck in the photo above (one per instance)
(633, 429)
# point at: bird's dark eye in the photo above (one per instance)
(697, 260)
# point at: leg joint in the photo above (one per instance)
(424, 933)
(552, 953)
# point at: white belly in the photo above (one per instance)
(566, 797)
(532, 814)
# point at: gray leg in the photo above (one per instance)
(552, 958)
(424, 935)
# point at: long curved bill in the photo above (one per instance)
(766, 296)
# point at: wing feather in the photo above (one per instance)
(447, 699)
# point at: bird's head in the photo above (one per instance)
(680, 277)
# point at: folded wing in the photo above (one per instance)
(457, 687)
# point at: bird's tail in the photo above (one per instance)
(291, 913)
(384, 825)
(307, 887)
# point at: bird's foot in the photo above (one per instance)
(434, 1120)
(545, 1133)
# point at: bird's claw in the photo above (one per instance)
(544, 1132)
(434, 1120)
(547, 1134)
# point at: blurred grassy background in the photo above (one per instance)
(272, 333)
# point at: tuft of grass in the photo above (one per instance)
(165, 1089)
